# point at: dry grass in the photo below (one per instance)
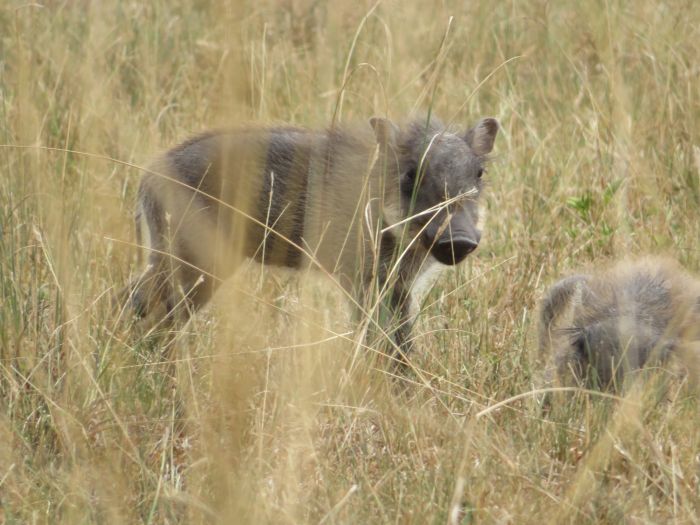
(264, 408)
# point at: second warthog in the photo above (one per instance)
(601, 325)
(374, 204)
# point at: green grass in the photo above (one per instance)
(258, 411)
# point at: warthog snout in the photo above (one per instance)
(454, 250)
(457, 239)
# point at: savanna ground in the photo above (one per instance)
(268, 407)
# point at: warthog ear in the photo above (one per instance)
(385, 130)
(480, 138)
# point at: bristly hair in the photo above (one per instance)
(571, 332)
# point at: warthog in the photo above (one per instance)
(599, 326)
(379, 203)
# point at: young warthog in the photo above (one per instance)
(378, 204)
(601, 326)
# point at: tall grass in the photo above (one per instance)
(266, 407)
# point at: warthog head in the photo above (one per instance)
(441, 181)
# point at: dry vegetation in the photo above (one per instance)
(267, 407)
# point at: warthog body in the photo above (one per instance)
(600, 326)
(372, 204)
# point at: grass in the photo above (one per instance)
(264, 408)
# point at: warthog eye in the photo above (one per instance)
(408, 181)
(479, 173)
(577, 339)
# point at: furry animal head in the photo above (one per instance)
(440, 180)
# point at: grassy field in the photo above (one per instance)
(265, 407)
